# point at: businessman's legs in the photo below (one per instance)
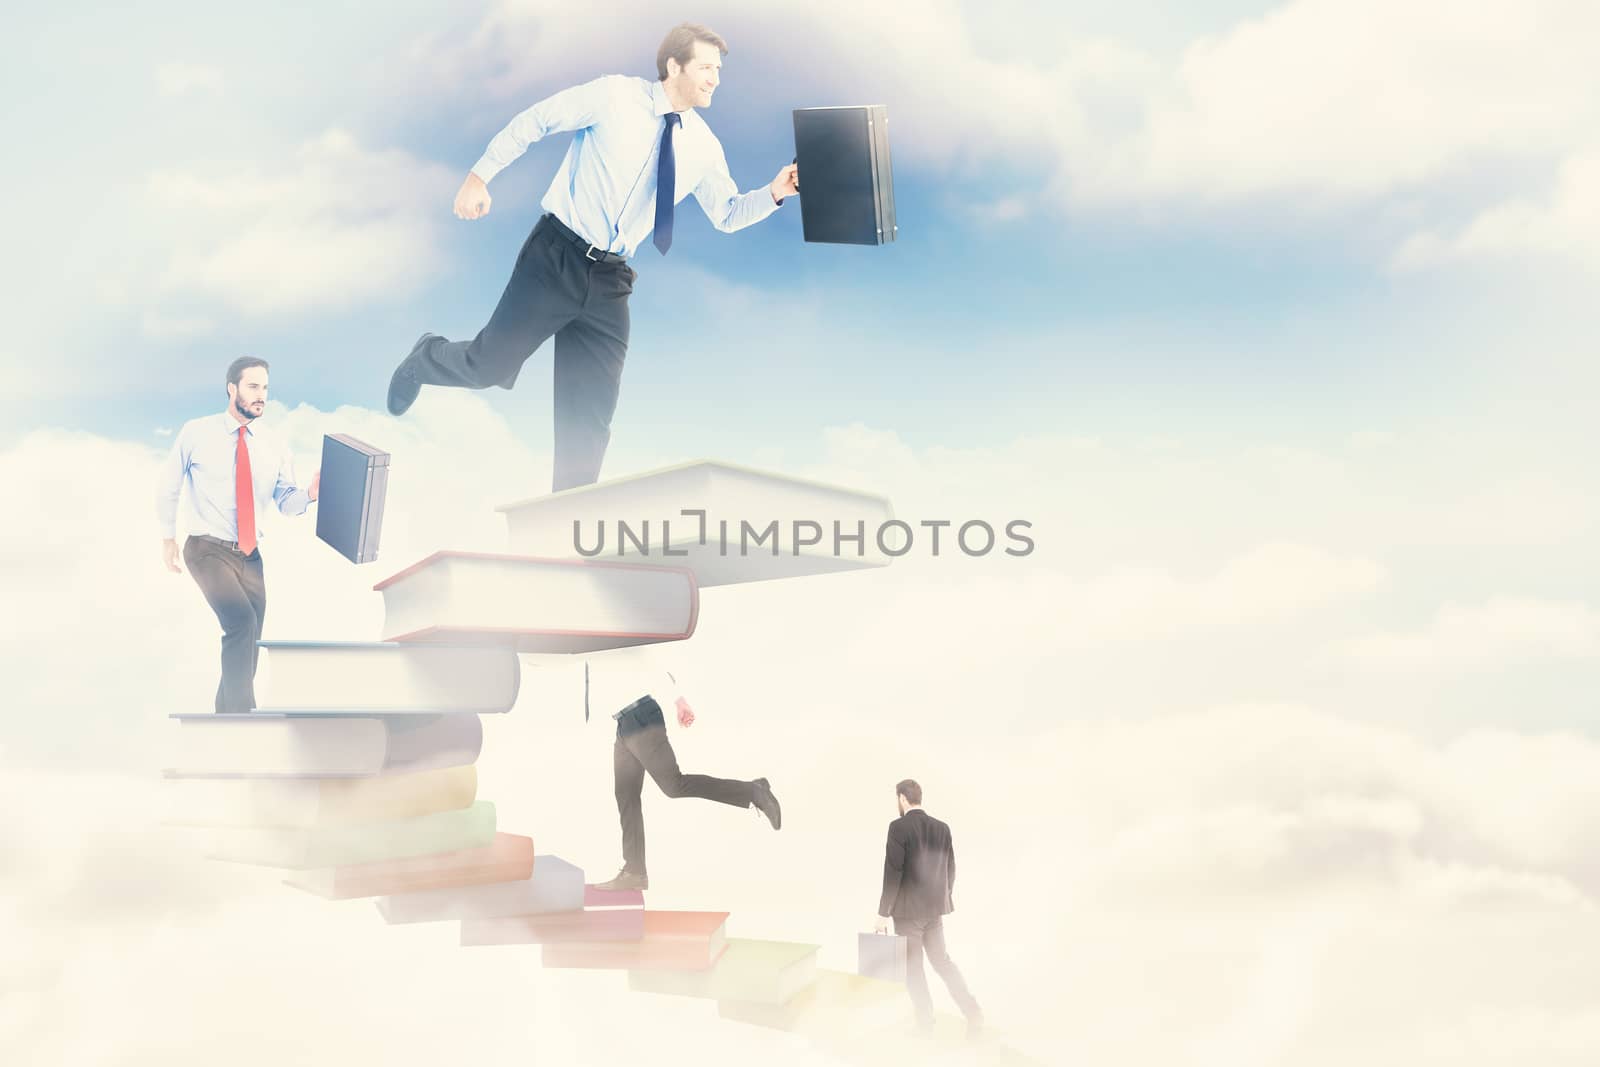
(628, 782)
(651, 748)
(234, 586)
(589, 354)
(545, 292)
(933, 947)
(916, 977)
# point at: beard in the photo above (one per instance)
(244, 411)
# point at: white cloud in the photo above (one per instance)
(176, 79)
(1277, 882)
(340, 225)
(1562, 224)
(1389, 118)
(174, 328)
(1487, 636)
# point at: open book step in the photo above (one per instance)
(743, 525)
(384, 678)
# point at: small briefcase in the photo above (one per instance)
(881, 956)
(355, 479)
(846, 181)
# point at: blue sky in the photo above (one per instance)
(1012, 303)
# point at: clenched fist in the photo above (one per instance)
(472, 199)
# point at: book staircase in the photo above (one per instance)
(356, 775)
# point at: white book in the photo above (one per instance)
(756, 525)
(556, 885)
(538, 605)
(287, 802)
(341, 844)
(268, 746)
(368, 678)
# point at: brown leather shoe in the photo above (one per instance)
(625, 880)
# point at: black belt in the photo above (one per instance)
(590, 251)
(637, 704)
(219, 541)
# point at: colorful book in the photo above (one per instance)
(564, 927)
(595, 897)
(762, 972)
(538, 605)
(344, 844)
(304, 802)
(556, 886)
(384, 678)
(605, 915)
(508, 858)
(835, 1001)
(673, 940)
(275, 746)
(742, 525)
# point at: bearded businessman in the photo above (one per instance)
(919, 875)
(639, 148)
(233, 470)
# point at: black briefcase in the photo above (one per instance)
(355, 478)
(846, 182)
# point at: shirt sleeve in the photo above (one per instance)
(894, 868)
(726, 207)
(170, 485)
(290, 498)
(570, 109)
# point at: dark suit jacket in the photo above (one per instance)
(919, 868)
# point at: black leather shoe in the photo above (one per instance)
(404, 387)
(626, 880)
(766, 803)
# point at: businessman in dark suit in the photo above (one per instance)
(919, 872)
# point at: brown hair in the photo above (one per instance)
(237, 368)
(679, 44)
(910, 790)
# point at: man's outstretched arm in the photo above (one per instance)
(570, 109)
(729, 209)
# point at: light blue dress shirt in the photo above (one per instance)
(606, 187)
(203, 459)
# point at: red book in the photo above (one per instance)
(673, 941)
(595, 897)
(509, 858)
(620, 924)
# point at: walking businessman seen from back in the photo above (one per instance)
(919, 875)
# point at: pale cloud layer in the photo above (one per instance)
(1276, 871)
(1436, 130)
(336, 225)
(175, 79)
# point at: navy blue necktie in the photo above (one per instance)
(666, 185)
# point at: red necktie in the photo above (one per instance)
(244, 491)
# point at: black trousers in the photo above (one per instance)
(554, 291)
(642, 747)
(236, 588)
(926, 937)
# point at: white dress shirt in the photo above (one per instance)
(619, 677)
(203, 458)
(606, 187)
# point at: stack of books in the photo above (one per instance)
(357, 774)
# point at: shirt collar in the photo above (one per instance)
(663, 106)
(658, 97)
(233, 425)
